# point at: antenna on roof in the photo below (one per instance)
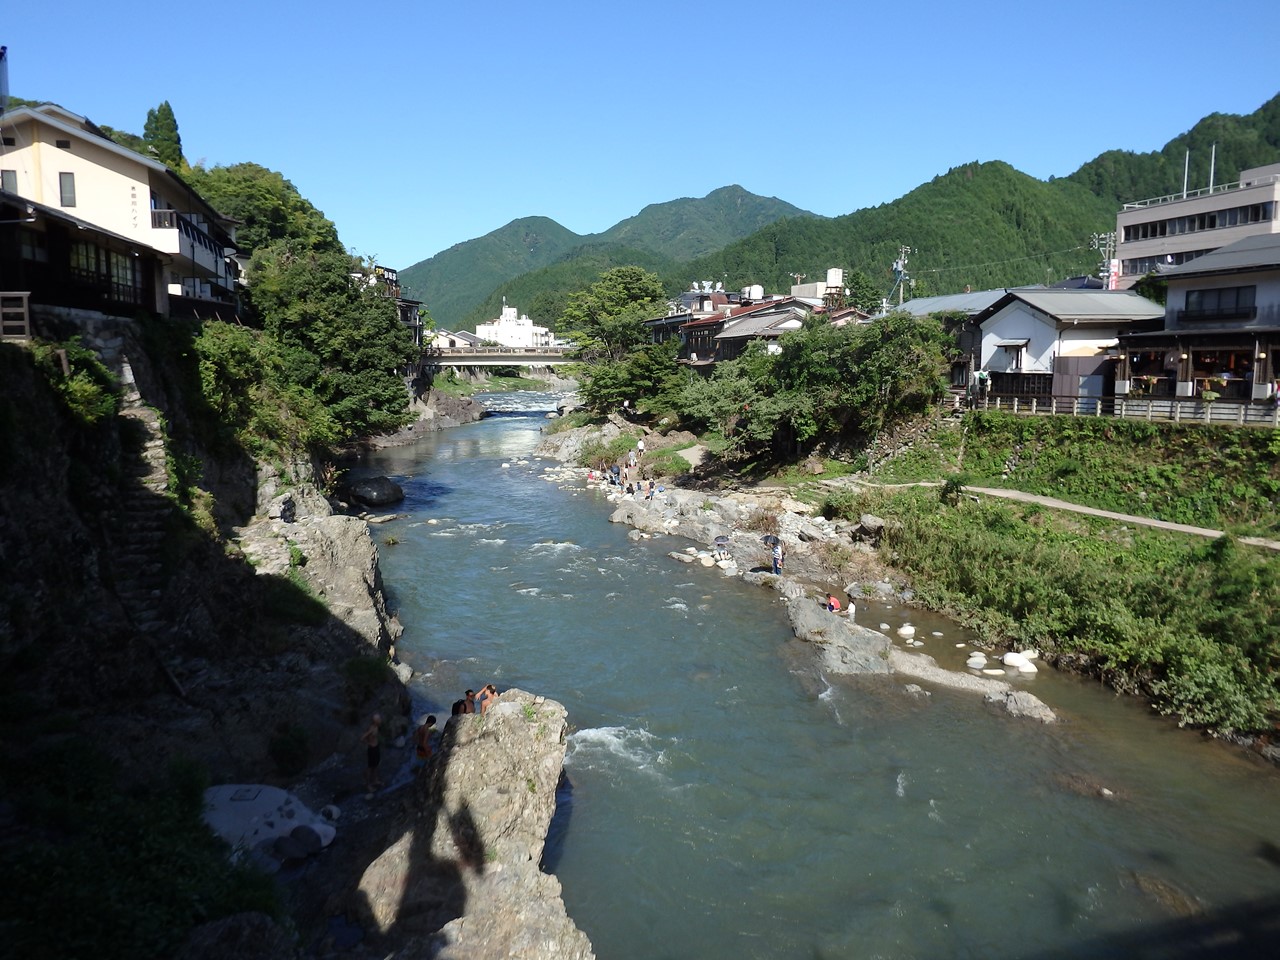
(4, 80)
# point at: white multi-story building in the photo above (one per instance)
(1152, 235)
(510, 330)
(55, 158)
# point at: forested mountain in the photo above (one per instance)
(1242, 142)
(982, 224)
(542, 293)
(685, 228)
(455, 281)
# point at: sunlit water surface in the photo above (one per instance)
(724, 800)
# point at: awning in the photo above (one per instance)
(1012, 343)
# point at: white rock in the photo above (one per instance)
(959, 646)
(906, 631)
(1012, 659)
(937, 633)
(994, 673)
(1031, 654)
(706, 560)
(506, 466)
(884, 626)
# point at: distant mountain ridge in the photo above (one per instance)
(981, 224)
(454, 282)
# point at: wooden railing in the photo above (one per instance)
(1168, 409)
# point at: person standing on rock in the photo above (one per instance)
(640, 446)
(372, 740)
(423, 743)
(778, 557)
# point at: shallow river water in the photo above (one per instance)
(724, 800)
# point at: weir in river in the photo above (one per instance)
(724, 799)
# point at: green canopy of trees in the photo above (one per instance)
(338, 335)
(267, 205)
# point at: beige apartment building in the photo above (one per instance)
(61, 161)
(1163, 232)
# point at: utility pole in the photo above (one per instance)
(900, 276)
(1105, 244)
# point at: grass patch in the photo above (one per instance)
(1191, 623)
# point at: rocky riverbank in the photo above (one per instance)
(730, 526)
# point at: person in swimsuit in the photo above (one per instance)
(423, 743)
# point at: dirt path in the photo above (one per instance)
(1056, 504)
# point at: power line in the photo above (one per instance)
(996, 263)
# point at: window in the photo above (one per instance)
(9, 181)
(1220, 303)
(67, 184)
(62, 144)
(31, 246)
(9, 142)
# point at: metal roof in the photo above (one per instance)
(771, 325)
(973, 302)
(1251, 253)
(1098, 305)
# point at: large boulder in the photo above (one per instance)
(377, 491)
(463, 880)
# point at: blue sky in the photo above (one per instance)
(417, 125)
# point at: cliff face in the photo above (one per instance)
(155, 637)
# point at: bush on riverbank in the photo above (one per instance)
(1193, 624)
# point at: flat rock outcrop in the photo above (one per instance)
(844, 648)
(461, 878)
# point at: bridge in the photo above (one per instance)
(496, 356)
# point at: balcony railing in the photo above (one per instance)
(1202, 192)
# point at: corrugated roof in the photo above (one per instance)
(1087, 304)
(1251, 253)
(975, 301)
(756, 327)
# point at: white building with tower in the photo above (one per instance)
(513, 330)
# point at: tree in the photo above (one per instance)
(606, 320)
(160, 134)
(339, 336)
(267, 205)
(863, 293)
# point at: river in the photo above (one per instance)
(724, 800)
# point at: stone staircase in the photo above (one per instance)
(141, 518)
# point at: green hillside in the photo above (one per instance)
(542, 293)
(455, 282)
(452, 281)
(1242, 142)
(686, 228)
(981, 224)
